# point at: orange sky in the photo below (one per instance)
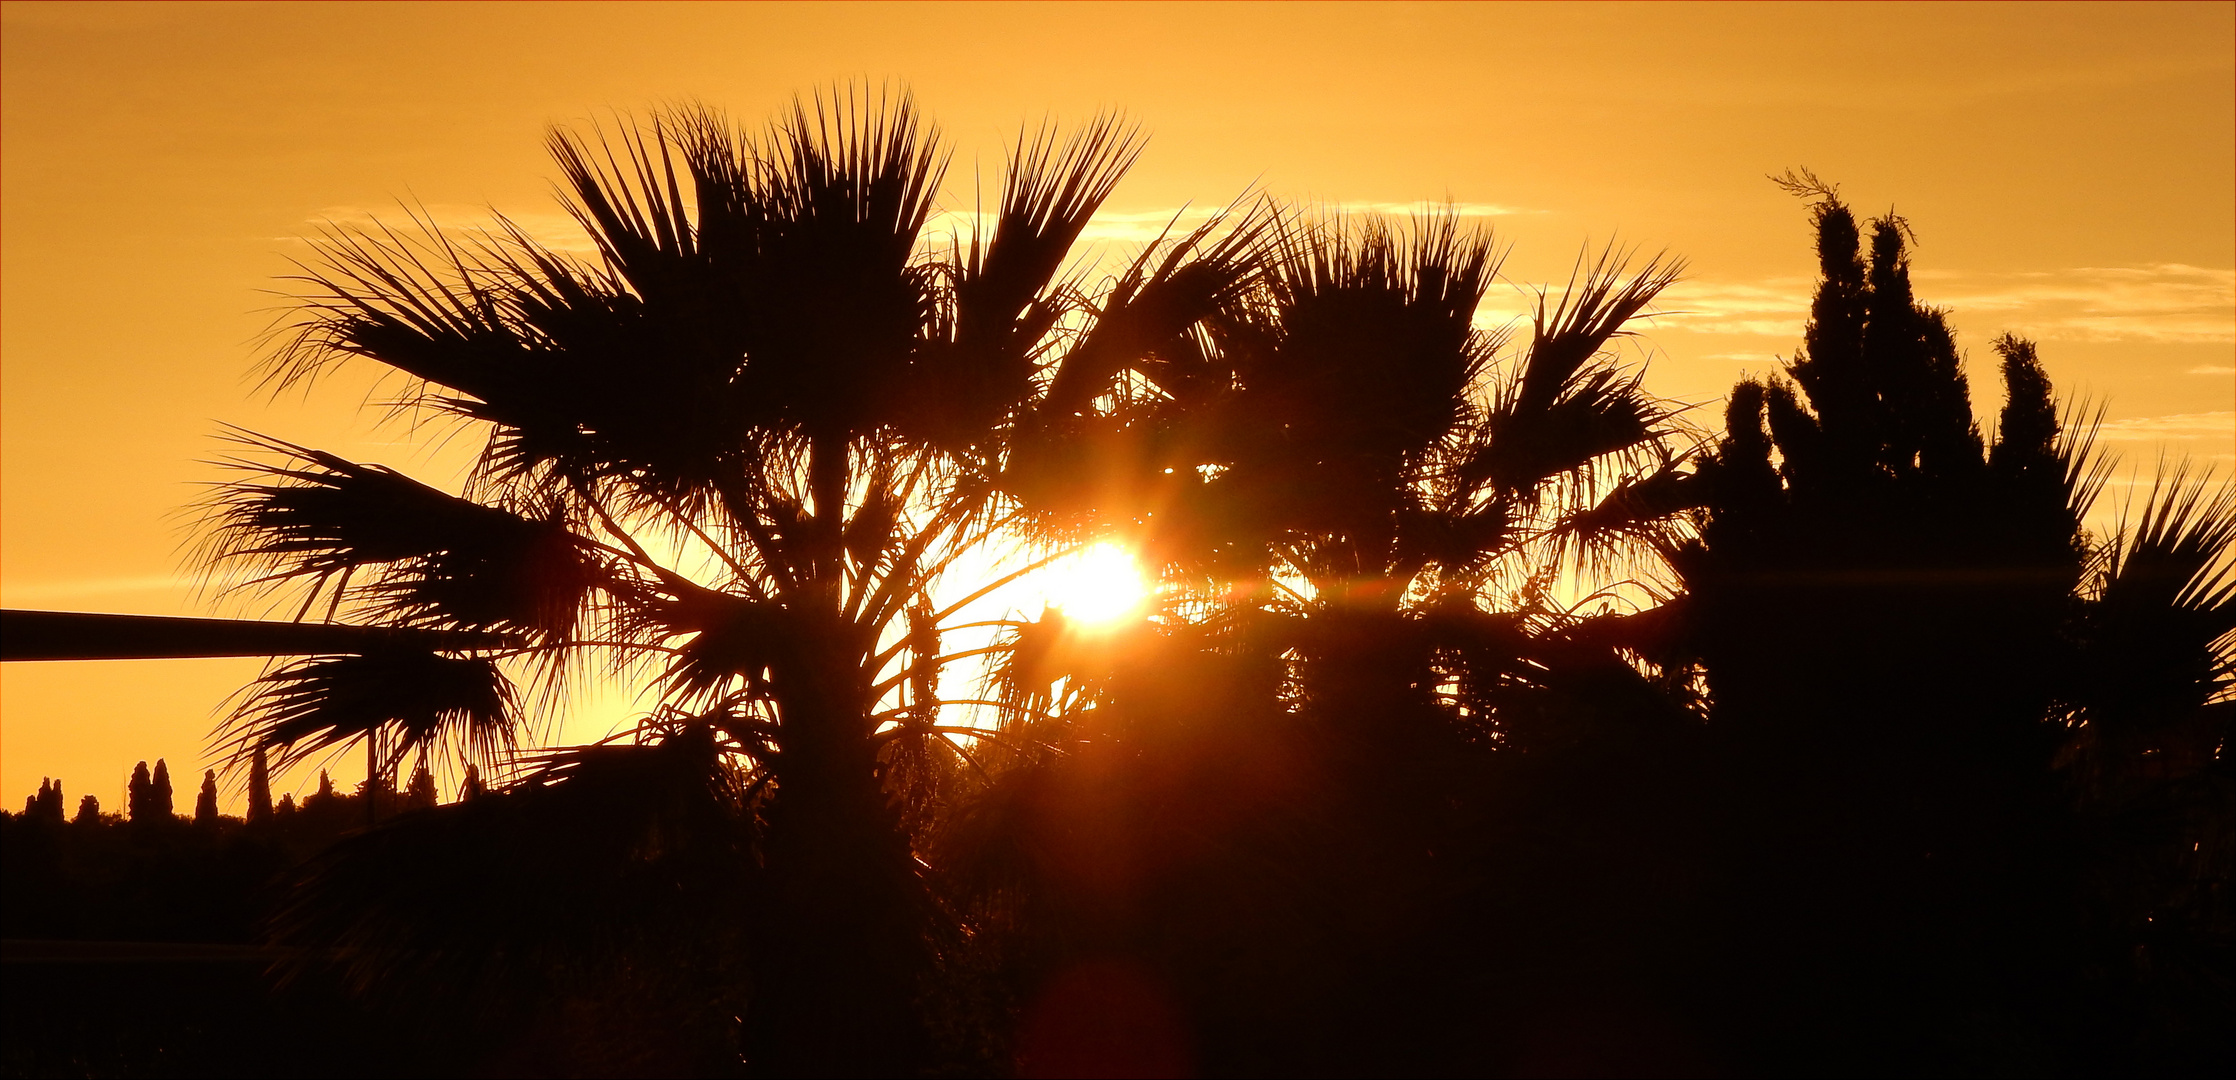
(2070, 170)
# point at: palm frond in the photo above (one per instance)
(413, 299)
(1169, 288)
(1052, 190)
(979, 362)
(631, 201)
(837, 304)
(1569, 404)
(1377, 344)
(1642, 516)
(2177, 552)
(412, 702)
(2159, 631)
(419, 556)
(734, 642)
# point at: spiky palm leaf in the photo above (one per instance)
(1568, 404)
(2160, 630)
(407, 703)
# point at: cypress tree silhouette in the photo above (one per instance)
(89, 811)
(159, 793)
(47, 804)
(139, 803)
(259, 788)
(1890, 614)
(323, 792)
(205, 801)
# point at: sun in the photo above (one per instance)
(1100, 584)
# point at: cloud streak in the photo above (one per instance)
(2165, 303)
(2203, 425)
(1143, 226)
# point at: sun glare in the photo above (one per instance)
(1098, 585)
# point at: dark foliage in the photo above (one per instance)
(1903, 632)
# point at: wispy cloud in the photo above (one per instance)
(1771, 307)
(2164, 302)
(2202, 425)
(1427, 208)
(1128, 226)
(1144, 225)
(2212, 369)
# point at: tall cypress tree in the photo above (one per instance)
(205, 801)
(1883, 602)
(259, 788)
(47, 804)
(160, 805)
(138, 802)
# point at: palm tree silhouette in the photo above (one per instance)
(1340, 468)
(731, 454)
(1362, 507)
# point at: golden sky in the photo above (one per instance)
(2070, 170)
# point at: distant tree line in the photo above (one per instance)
(148, 797)
(149, 878)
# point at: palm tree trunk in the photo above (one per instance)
(847, 950)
